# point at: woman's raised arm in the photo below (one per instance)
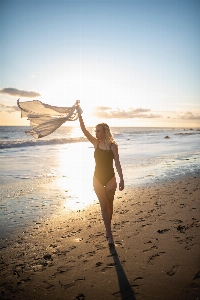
(88, 135)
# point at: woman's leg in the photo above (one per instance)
(104, 203)
(110, 191)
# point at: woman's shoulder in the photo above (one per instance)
(114, 146)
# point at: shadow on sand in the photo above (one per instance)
(125, 289)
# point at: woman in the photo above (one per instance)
(104, 181)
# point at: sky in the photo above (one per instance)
(129, 62)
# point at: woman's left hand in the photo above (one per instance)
(121, 185)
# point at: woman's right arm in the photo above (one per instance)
(88, 135)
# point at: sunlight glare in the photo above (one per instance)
(76, 168)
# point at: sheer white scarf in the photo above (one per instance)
(44, 118)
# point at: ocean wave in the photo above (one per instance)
(187, 133)
(137, 132)
(32, 143)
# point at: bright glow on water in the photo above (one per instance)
(76, 167)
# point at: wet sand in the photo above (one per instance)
(156, 253)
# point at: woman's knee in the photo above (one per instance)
(103, 201)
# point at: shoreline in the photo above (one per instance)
(156, 253)
(37, 205)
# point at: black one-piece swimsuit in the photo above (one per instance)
(104, 170)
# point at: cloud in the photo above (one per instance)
(107, 113)
(103, 108)
(9, 109)
(188, 116)
(15, 92)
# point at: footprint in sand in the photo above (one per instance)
(173, 271)
(161, 231)
(181, 228)
(136, 282)
(63, 269)
(100, 247)
(150, 249)
(48, 286)
(91, 253)
(153, 257)
(67, 286)
(197, 276)
(80, 297)
(98, 264)
(108, 266)
(47, 257)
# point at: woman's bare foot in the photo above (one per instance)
(110, 240)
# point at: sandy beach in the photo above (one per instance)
(97, 88)
(156, 253)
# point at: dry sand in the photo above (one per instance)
(156, 253)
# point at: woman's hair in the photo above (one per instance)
(109, 139)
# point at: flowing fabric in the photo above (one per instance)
(44, 118)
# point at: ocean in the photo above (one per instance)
(147, 156)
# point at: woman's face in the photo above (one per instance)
(100, 132)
